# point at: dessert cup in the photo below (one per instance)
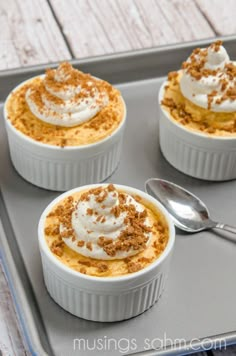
(194, 153)
(105, 299)
(62, 168)
(198, 115)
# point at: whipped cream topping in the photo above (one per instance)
(66, 97)
(103, 225)
(208, 79)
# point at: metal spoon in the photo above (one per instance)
(188, 212)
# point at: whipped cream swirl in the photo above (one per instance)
(66, 97)
(94, 218)
(209, 79)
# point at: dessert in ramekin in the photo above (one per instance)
(105, 251)
(198, 115)
(65, 128)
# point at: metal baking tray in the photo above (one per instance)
(197, 310)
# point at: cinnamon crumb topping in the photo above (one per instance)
(89, 211)
(52, 230)
(85, 263)
(99, 218)
(172, 75)
(89, 246)
(83, 270)
(103, 241)
(145, 260)
(134, 236)
(101, 196)
(111, 188)
(57, 248)
(134, 267)
(80, 243)
(102, 267)
(216, 45)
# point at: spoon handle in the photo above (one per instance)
(226, 227)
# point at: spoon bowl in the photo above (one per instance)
(188, 212)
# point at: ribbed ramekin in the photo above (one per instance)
(57, 168)
(105, 299)
(194, 153)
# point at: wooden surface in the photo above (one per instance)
(29, 34)
(41, 31)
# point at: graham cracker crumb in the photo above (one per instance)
(89, 246)
(57, 248)
(80, 243)
(83, 270)
(102, 267)
(85, 263)
(134, 267)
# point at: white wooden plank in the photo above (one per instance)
(220, 14)
(96, 27)
(10, 337)
(29, 34)
(185, 19)
(188, 24)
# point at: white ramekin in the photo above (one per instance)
(194, 153)
(105, 298)
(57, 168)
